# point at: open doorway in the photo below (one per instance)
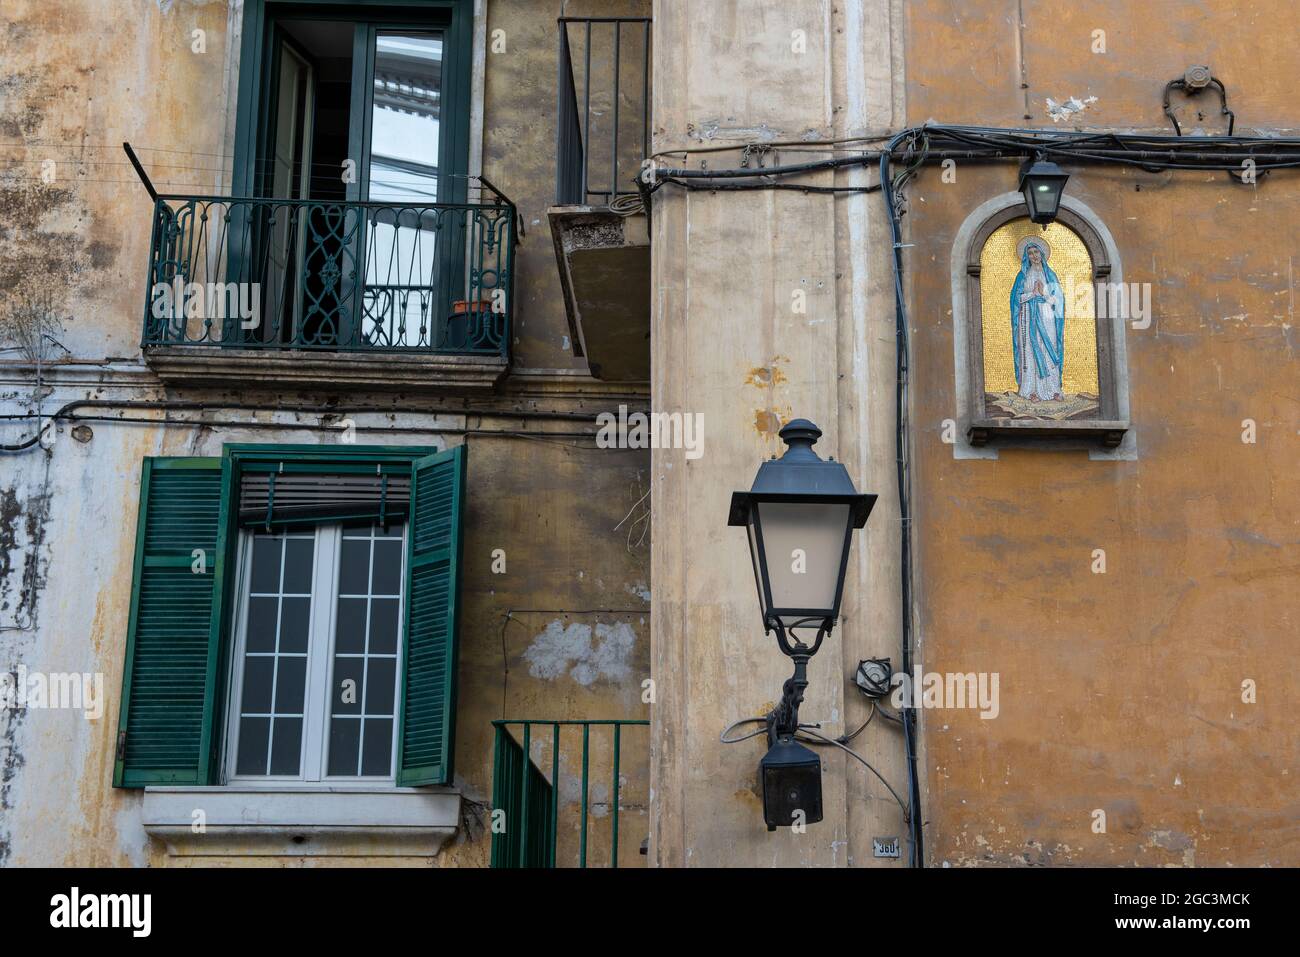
(348, 154)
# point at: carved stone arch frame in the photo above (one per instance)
(1108, 435)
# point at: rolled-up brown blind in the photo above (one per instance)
(274, 499)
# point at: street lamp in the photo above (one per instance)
(800, 515)
(1042, 182)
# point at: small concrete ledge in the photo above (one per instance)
(289, 370)
(1104, 432)
(604, 264)
(336, 822)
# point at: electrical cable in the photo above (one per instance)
(886, 715)
(916, 850)
(68, 413)
(736, 724)
(742, 187)
(778, 144)
(806, 729)
(846, 738)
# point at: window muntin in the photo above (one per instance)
(315, 683)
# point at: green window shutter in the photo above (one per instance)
(432, 578)
(169, 682)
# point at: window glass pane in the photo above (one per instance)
(254, 735)
(297, 565)
(286, 746)
(354, 567)
(295, 618)
(290, 685)
(345, 744)
(383, 625)
(350, 634)
(404, 120)
(349, 678)
(387, 569)
(365, 653)
(377, 746)
(259, 675)
(266, 565)
(402, 241)
(262, 616)
(380, 678)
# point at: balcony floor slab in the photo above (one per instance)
(297, 370)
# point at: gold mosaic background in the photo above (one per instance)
(998, 269)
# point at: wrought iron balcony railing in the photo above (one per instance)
(331, 276)
(602, 119)
(528, 835)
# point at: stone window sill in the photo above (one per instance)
(326, 820)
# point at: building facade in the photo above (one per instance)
(379, 176)
(336, 408)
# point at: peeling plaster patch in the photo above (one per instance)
(1177, 842)
(714, 129)
(166, 5)
(22, 570)
(1171, 840)
(640, 590)
(571, 650)
(1072, 106)
(11, 761)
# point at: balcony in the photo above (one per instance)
(288, 293)
(546, 810)
(599, 225)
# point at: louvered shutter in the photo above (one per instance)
(169, 681)
(432, 579)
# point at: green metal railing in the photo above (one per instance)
(334, 276)
(532, 803)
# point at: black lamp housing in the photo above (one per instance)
(1042, 182)
(801, 508)
(791, 779)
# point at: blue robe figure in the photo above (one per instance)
(1037, 324)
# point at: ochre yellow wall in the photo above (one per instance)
(1119, 691)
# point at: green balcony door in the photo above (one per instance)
(407, 247)
(290, 165)
(353, 121)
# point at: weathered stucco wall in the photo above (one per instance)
(564, 633)
(768, 306)
(1121, 691)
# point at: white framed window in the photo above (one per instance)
(317, 656)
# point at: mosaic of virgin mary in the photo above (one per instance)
(1042, 363)
(1037, 324)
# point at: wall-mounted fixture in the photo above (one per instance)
(800, 514)
(874, 677)
(1194, 80)
(1042, 182)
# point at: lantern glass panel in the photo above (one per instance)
(803, 544)
(1043, 196)
(757, 558)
